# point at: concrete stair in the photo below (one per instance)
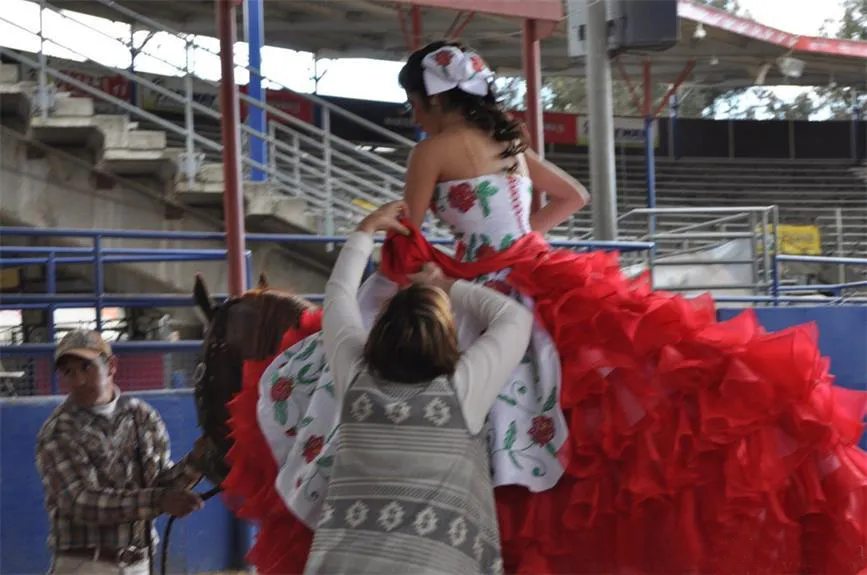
(120, 148)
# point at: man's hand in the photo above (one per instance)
(386, 218)
(180, 502)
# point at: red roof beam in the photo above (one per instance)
(545, 10)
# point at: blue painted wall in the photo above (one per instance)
(201, 543)
(211, 540)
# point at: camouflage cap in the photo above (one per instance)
(82, 343)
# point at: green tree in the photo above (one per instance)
(838, 100)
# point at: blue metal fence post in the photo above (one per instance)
(675, 107)
(248, 261)
(98, 280)
(51, 288)
(256, 117)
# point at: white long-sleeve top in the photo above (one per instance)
(483, 368)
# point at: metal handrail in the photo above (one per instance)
(185, 99)
(155, 25)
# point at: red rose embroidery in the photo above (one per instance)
(500, 286)
(292, 432)
(542, 430)
(282, 389)
(443, 58)
(298, 483)
(478, 63)
(485, 251)
(313, 447)
(461, 197)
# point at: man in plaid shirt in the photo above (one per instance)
(105, 467)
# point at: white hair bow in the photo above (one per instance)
(450, 67)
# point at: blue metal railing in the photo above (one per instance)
(99, 256)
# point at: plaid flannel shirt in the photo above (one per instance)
(92, 475)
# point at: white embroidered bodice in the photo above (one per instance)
(485, 213)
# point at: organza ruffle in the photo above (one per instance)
(282, 542)
(696, 446)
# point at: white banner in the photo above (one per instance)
(627, 132)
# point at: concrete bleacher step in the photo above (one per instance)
(120, 147)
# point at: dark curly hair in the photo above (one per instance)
(484, 112)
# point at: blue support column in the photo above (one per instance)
(856, 131)
(650, 159)
(256, 117)
(675, 106)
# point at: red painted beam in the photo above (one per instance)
(545, 10)
(532, 57)
(233, 198)
(681, 78)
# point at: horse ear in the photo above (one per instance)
(263, 281)
(203, 298)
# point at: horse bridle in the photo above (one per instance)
(213, 463)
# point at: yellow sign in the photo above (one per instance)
(364, 205)
(10, 278)
(797, 240)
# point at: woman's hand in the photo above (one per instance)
(386, 218)
(432, 274)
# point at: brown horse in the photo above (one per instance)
(248, 327)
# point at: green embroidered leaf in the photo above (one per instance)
(303, 378)
(511, 435)
(308, 351)
(538, 472)
(486, 190)
(507, 399)
(551, 401)
(550, 449)
(331, 434)
(471, 247)
(486, 239)
(329, 387)
(281, 412)
(325, 461)
(486, 206)
(288, 354)
(515, 461)
(305, 422)
(507, 241)
(275, 377)
(522, 389)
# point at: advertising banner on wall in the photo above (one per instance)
(628, 132)
(559, 128)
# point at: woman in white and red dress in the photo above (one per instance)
(638, 435)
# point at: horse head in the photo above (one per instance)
(249, 327)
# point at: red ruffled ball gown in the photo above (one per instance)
(640, 435)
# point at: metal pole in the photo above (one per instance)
(532, 59)
(856, 124)
(233, 200)
(603, 178)
(674, 150)
(43, 64)
(133, 86)
(255, 25)
(329, 192)
(51, 289)
(838, 223)
(649, 150)
(190, 166)
(98, 280)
